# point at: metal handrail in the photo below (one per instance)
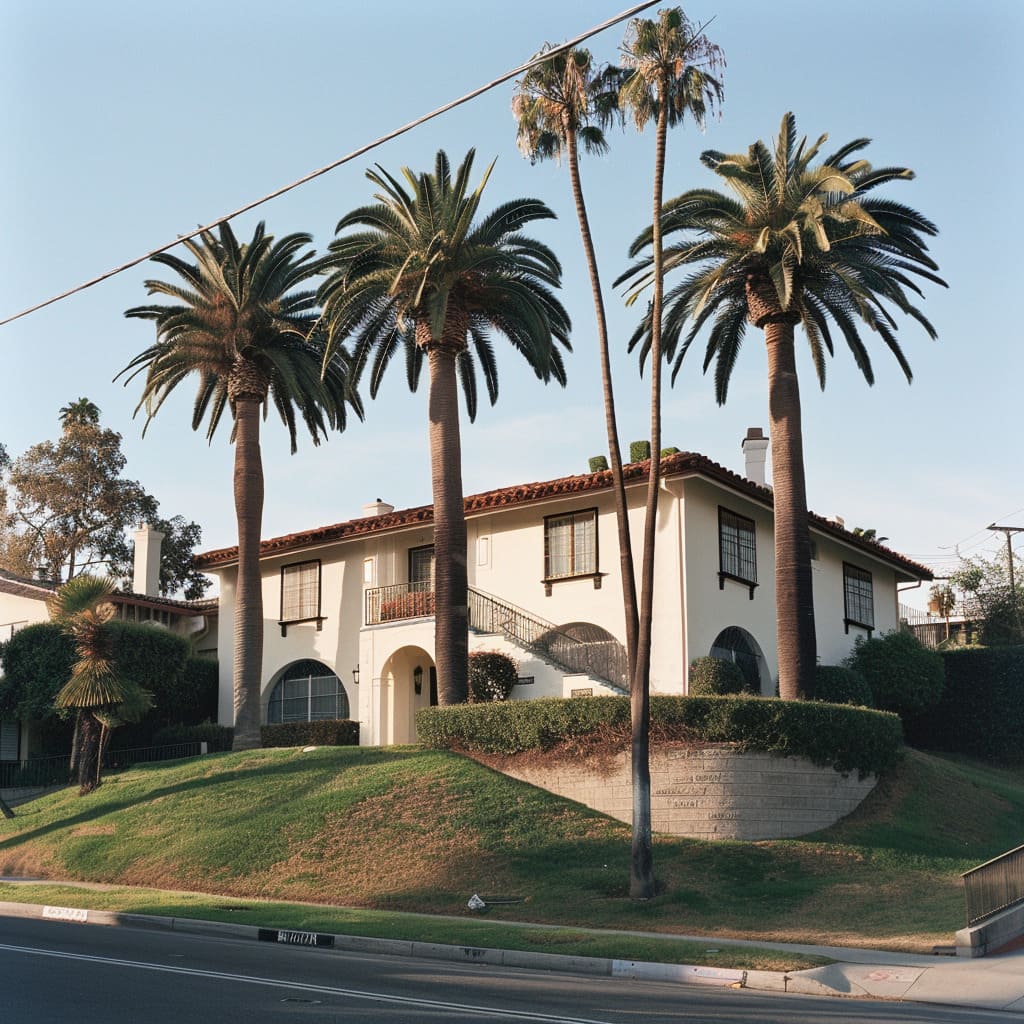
(994, 886)
(603, 659)
(399, 601)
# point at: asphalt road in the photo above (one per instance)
(54, 972)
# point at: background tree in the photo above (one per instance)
(430, 279)
(801, 243)
(67, 509)
(671, 74)
(988, 599)
(942, 598)
(560, 104)
(242, 323)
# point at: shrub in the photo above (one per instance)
(832, 735)
(836, 684)
(639, 451)
(709, 676)
(330, 732)
(218, 738)
(491, 676)
(598, 463)
(981, 712)
(903, 674)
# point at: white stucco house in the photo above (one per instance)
(23, 602)
(349, 628)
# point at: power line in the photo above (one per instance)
(479, 91)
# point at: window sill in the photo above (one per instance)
(858, 625)
(318, 619)
(549, 581)
(751, 585)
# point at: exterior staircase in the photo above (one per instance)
(599, 656)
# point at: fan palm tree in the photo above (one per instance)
(671, 74)
(560, 103)
(242, 323)
(799, 243)
(427, 278)
(83, 608)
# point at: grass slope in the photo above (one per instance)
(405, 829)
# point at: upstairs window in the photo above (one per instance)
(570, 545)
(859, 598)
(300, 594)
(421, 568)
(737, 549)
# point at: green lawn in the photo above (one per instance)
(405, 829)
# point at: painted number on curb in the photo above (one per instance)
(294, 938)
(66, 914)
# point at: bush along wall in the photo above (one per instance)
(830, 735)
(981, 712)
(331, 732)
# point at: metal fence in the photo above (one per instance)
(36, 772)
(994, 885)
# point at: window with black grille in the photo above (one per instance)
(300, 594)
(858, 597)
(737, 549)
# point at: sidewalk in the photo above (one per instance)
(994, 982)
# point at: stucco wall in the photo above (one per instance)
(710, 792)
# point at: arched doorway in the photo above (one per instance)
(408, 682)
(307, 691)
(738, 646)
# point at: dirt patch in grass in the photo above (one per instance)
(93, 830)
(28, 861)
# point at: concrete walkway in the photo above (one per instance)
(995, 982)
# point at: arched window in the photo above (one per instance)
(307, 692)
(737, 645)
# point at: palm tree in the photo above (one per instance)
(801, 243)
(671, 68)
(81, 412)
(423, 278)
(83, 608)
(560, 103)
(242, 323)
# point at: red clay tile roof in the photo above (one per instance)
(680, 464)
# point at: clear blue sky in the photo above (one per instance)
(126, 123)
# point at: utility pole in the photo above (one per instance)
(1009, 531)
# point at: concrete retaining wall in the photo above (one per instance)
(709, 792)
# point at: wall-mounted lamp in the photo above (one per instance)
(355, 675)
(417, 679)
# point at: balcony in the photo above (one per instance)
(399, 601)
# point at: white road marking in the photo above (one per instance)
(379, 997)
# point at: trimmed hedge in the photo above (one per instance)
(330, 732)
(830, 735)
(981, 712)
(218, 738)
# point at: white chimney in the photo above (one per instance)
(755, 451)
(378, 508)
(147, 561)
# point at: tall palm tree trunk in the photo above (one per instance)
(794, 599)
(451, 614)
(248, 637)
(626, 568)
(641, 880)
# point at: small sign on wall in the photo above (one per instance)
(587, 692)
(524, 681)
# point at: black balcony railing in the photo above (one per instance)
(994, 886)
(399, 601)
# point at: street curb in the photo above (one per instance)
(684, 974)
